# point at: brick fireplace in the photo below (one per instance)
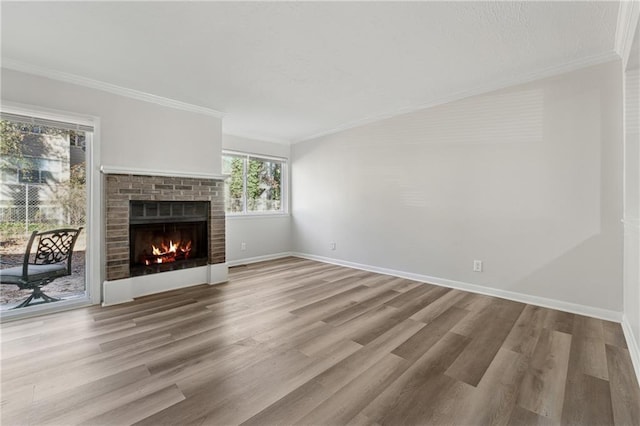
(125, 190)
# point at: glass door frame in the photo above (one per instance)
(94, 219)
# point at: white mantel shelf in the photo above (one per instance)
(165, 173)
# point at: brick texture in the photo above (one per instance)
(120, 189)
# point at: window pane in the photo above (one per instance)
(28, 176)
(264, 186)
(227, 163)
(43, 188)
(233, 188)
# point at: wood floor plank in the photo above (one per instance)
(429, 335)
(376, 319)
(346, 370)
(361, 420)
(613, 334)
(474, 302)
(309, 396)
(488, 336)
(524, 417)
(405, 309)
(587, 398)
(293, 406)
(208, 397)
(348, 401)
(338, 301)
(587, 401)
(483, 308)
(435, 309)
(494, 399)
(411, 295)
(66, 400)
(527, 329)
(254, 399)
(139, 409)
(542, 389)
(403, 402)
(16, 404)
(358, 309)
(588, 347)
(625, 393)
(294, 341)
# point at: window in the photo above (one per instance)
(28, 176)
(254, 184)
(43, 187)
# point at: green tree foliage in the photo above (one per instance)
(235, 184)
(273, 180)
(262, 180)
(22, 147)
(254, 174)
(11, 138)
(236, 178)
(71, 196)
(16, 151)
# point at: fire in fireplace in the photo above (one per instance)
(167, 252)
(167, 235)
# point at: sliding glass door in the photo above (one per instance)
(43, 166)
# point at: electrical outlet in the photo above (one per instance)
(477, 266)
(332, 246)
(243, 246)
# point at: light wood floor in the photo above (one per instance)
(299, 342)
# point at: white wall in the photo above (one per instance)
(133, 133)
(264, 236)
(632, 202)
(526, 179)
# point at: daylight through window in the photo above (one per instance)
(254, 184)
(43, 188)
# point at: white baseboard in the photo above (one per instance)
(257, 259)
(632, 344)
(474, 288)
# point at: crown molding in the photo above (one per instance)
(257, 138)
(15, 65)
(628, 16)
(479, 90)
(118, 170)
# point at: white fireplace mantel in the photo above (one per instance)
(164, 173)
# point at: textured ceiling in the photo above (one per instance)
(287, 71)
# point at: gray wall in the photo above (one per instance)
(632, 199)
(526, 179)
(264, 236)
(133, 133)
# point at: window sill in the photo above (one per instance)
(256, 215)
(75, 302)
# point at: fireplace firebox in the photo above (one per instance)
(167, 235)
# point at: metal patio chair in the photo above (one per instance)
(51, 260)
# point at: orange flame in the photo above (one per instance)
(168, 253)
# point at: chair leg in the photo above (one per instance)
(37, 294)
(26, 302)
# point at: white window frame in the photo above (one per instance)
(284, 182)
(93, 271)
